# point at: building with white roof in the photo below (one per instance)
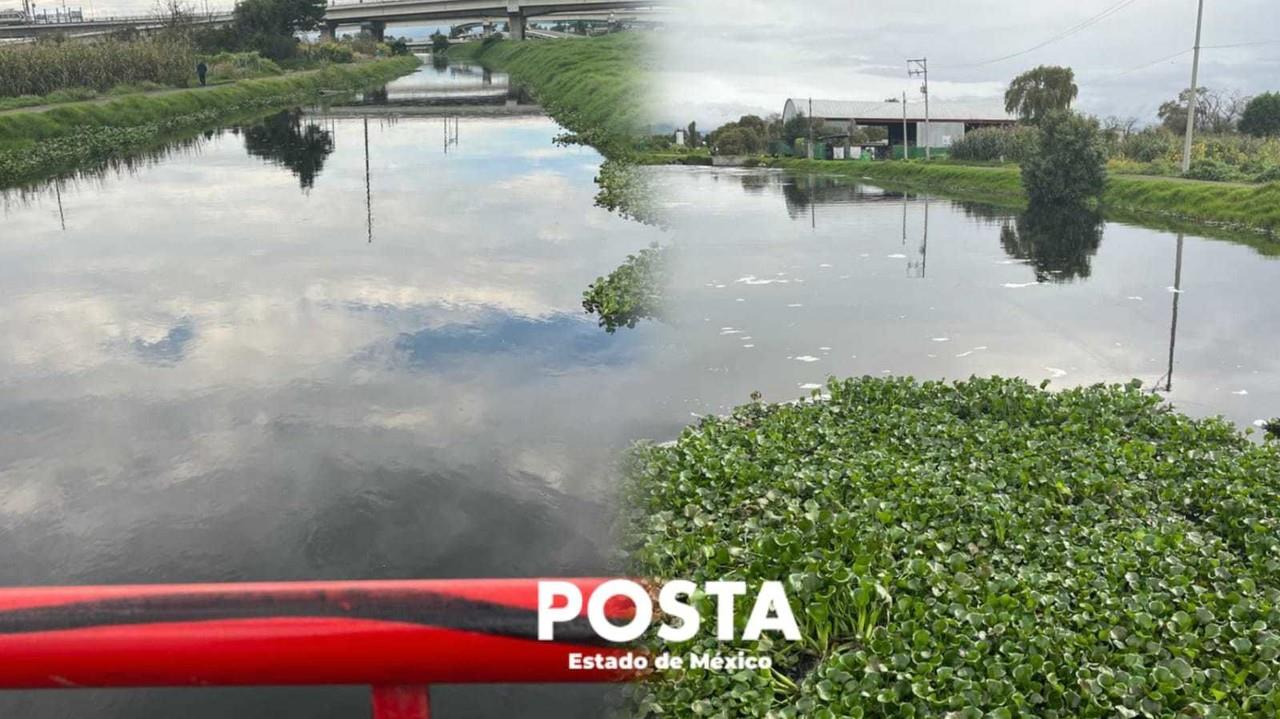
(948, 121)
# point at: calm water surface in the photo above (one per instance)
(252, 359)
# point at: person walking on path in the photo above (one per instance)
(201, 71)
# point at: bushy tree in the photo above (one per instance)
(269, 26)
(439, 42)
(1069, 168)
(749, 135)
(1262, 115)
(1036, 93)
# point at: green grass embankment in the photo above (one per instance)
(597, 89)
(36, 144)
(1232, 206)
(594, 87)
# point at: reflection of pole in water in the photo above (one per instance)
(924, 244)
(368, 195)
(57, 190)
(904, 219)
(450, 132)
(1173, 324)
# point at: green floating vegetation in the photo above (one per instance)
(980, 548)
(1252, 208)
(34, 145)
(631, 293)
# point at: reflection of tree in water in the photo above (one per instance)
(802, 191)
(756, 182)
(283, 140)
(1057, 242)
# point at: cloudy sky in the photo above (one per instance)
(727, 57)
(722, 58)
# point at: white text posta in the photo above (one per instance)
(560, 602)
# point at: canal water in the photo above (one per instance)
(335, 346)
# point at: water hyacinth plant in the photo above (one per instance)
(982, 548)
(632, 292)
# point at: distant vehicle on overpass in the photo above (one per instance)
(12, 17)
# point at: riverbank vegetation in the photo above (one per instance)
(43, 68)
(1247, 208)
(597, 88)
(980, 548)
(594, 87)
(39, 144)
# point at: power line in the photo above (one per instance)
(1180, 53)
(1083, 25)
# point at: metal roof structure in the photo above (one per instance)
(872, 112)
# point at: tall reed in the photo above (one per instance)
(45, 67)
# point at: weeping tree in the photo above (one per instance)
(1036, 93)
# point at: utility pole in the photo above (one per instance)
(1191, 101)
(809, 151)
(916, 68)
(906, 142)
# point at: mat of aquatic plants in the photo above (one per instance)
(980, 548)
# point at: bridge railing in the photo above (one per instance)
(396, 637)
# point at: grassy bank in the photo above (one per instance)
(594, 87)
(1254, 208)
(597, 89)
(37, 144)
(982, 548)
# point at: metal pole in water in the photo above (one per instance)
(1191, 101)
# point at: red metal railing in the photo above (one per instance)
(394, 636)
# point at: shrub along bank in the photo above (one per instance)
(38, 144)
(1243, 207)
(982, 548)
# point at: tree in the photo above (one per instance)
(1036, 93)
(1215, 112)
(269, 26)
(748, 136)
(1069, 167)
(693, 138)
(1261, 116)
(439, 42)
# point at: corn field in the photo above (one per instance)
(45, 67)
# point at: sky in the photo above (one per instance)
(725, 58)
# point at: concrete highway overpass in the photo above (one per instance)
(374, 16)
(94, 26)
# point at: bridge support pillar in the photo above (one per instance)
(515, 24)
(376, 28)
(328, 32)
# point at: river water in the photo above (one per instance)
(336, 346)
